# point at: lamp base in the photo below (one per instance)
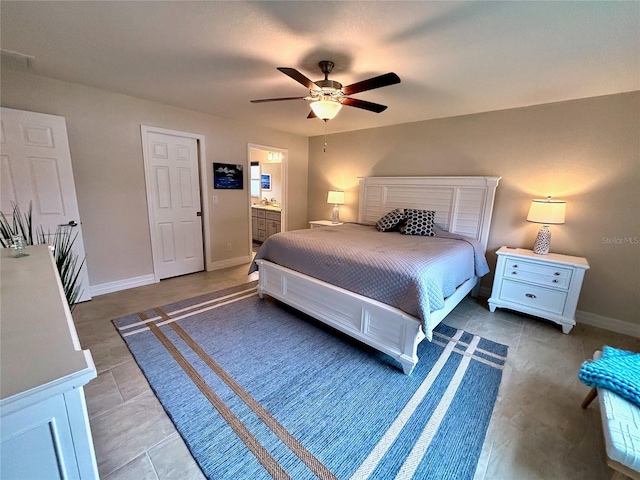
(543, 241)
(335, 215)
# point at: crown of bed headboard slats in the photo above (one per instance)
(462, 204)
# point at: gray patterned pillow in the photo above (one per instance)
(391, 220)
(419, 222)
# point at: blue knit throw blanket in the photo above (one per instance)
(617, 370)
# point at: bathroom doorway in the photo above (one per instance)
(268, 192)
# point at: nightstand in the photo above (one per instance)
(323, 223)
(546, 286)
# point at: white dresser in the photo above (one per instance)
(44, 427)
(546, 286)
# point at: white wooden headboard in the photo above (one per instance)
(463, 205)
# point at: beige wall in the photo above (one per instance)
(106, 152)
(585, 151)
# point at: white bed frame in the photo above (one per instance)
(462, 204)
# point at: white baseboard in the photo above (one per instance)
(125, 284)
(231, 262)
(613, 324)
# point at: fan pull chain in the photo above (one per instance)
(324, 148)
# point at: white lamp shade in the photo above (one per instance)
(326, 109)
(547, 211)
(336, 197)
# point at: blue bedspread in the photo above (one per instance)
(617, 370)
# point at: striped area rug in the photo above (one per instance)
(258, 390)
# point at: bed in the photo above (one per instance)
(463, 207)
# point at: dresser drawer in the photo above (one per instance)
(273, 216)
(535, 297)
(262, 224)
(548, 275)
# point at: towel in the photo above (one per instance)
(617, 370)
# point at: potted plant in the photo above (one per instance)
(61, 241)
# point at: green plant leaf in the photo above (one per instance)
(62, 242)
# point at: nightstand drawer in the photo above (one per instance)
(548, 275)
(535, 297)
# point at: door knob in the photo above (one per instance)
(72, 223)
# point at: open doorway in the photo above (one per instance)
(267, 191)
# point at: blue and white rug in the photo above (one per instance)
(258, 390)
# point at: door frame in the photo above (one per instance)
(202, 169)
(285, 193)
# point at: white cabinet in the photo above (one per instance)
(44, 427)
(264, 223)
(272, 223)
(546, 286)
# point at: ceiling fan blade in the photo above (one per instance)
(375, 82)
(299, 77)
(372, 107)
(262, 100)
(312, 114)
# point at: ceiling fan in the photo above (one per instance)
(326, 96)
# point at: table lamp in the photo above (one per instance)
(337, 198)
(547, 212)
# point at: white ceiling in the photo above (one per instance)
(453, 58)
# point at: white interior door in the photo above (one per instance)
(173, 193)
(36, 167)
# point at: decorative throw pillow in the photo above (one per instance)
(419, 222)
(391, 220)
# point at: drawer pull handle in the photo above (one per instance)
(555, 280)
(530, 295)
(514, 273)
(557, 274)
(515, 266)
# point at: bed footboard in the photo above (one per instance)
(380, 326)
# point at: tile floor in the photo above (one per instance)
(538, 430)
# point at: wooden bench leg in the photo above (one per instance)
(621, 472)
(618, 476)
(589, 398)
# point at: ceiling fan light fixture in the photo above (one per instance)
(327, 96)
(326, 109)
